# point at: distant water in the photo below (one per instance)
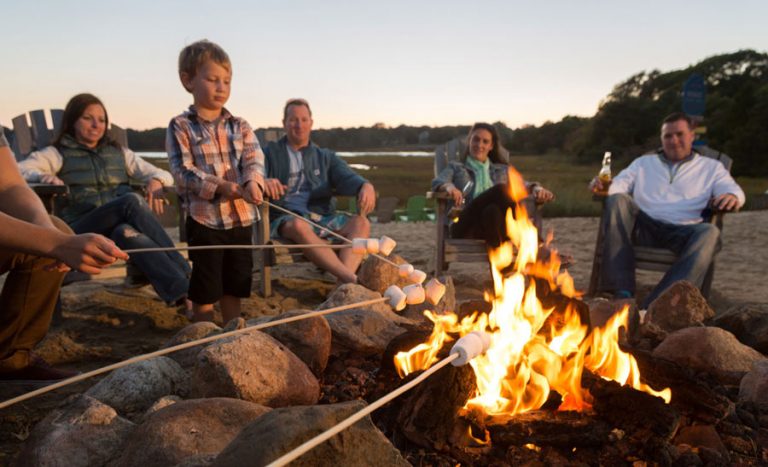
(162, 155)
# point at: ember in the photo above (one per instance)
(531, 354)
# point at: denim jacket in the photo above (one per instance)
(327, 173)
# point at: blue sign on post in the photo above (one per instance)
(694, 95)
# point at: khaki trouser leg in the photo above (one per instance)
(26, 304)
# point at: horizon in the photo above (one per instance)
(426, 64)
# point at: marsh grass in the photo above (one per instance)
(404, 177)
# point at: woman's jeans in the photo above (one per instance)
(626, 225)
(129, 222)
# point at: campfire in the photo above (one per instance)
(537, 349)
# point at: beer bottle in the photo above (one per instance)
(605, 171)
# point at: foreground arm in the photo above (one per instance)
(26, 227)
(727, 194)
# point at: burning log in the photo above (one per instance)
(546, 428)
(430, 416)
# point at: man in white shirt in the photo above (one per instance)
(658, 201)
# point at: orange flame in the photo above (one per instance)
(534, 350)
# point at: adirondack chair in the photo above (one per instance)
(385, 209)
(659, 259)
(416, 210)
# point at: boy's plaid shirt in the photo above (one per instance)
(203, 155)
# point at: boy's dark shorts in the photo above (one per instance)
(219, 272)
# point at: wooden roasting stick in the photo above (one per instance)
(183, 346)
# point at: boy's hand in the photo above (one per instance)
(229, 190)
(252, 193)
(274, 189)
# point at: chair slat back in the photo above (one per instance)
(43, 136)
(22, 137)
(724, 158)
(449, 152)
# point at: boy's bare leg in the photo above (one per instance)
(202, 312)
(325, 258)
(230, 307)
(356, 227)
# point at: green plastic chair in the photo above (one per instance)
(416, 210)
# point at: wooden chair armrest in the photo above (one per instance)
(438, 195)
(45, 189)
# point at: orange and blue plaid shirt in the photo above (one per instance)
(204, 154)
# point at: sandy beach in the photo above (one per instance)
(103, 322)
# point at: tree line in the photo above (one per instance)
(626, 122)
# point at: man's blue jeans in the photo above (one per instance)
(129, 222)
(624, 225)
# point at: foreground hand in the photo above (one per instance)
(456, 195)
(51, 179)
(89, 253)
(542, 195)
(252, 193)
(274, 189)
(230, 190)
(726, 202)
(366, 199)
(155, 196)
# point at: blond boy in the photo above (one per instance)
(218, 167)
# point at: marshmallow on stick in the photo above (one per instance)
(417, 276)
(372, 245)
(386, 245)
(359, 246)
(405, 270)
(434, 290)
(470, 346)
(397, 298)
(414, 294)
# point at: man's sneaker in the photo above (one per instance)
(37, 373)
(622, 294)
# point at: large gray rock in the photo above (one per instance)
(254, 367)
(754, 386)
(187, 429)
(187, 358)
(84, 433)
(711, 349)
(309, 339)
(136, 387)
(378, 275)
(680, 306)
(749, 323)
(363, 330)
(281, 430)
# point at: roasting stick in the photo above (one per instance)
(234, 247)
(352, 419)
(186, 345)
(465, 349)
(325, 229)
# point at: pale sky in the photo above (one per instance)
(359, 63)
